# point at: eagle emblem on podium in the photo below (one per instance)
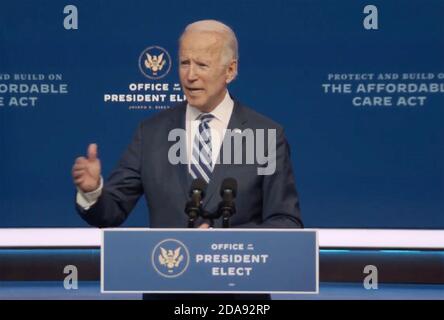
(170, 258)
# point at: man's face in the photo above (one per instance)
(203, 75)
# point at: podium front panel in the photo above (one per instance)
(210, 261)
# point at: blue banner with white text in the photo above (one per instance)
(357, 85)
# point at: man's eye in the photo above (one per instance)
(184, 63)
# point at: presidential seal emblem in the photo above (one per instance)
(155, 62)
(170, 258)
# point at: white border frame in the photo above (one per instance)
(328, 238)
(102, 290)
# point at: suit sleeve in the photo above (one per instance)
(280, 198)
(122, 190)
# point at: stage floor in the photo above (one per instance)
(90, 290)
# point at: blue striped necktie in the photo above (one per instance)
(201, 155)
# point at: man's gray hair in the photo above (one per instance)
(231, 51)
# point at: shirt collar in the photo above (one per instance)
(222, 112)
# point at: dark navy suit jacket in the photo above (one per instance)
(263, 201)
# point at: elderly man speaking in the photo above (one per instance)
(208, 63)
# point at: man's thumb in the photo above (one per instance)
(92, 151)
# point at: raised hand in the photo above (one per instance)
(86, 171)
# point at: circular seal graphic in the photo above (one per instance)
(170, 258)
(155, 62)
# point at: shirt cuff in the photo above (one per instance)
(87, 199)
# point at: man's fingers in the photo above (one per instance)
(79, 166)
(76, 170)
(78, 173)
(80, 160)
(79, 170)
(92, 151)
(78, 180)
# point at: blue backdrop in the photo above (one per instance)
(360, 166)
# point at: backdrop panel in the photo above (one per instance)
(362, 108)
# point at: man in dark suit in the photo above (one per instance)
(208, 63)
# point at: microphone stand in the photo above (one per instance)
(193, 207)
(192, 212)
(226, 209)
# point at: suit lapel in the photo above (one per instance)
(181, 170)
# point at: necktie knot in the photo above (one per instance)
(206, 117)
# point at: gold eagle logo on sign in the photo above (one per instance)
(154, 63)
(170, 258)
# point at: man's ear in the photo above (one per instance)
(231, 71)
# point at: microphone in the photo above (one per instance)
(227, 206)
(193, 207)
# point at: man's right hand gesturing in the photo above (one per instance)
(86, 171)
